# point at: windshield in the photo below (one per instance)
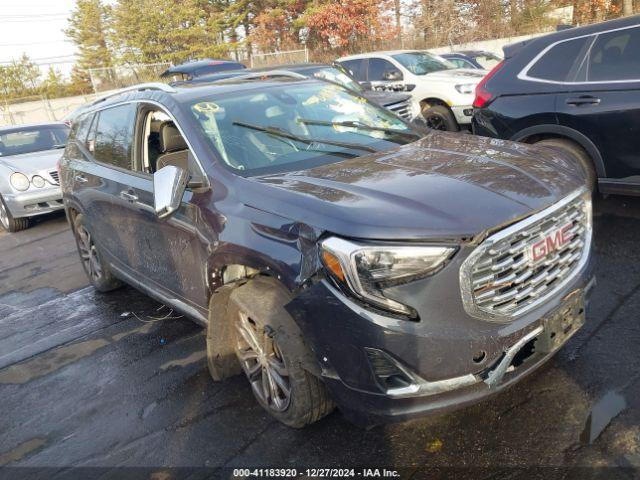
(295, 126)
(334, 75)
(33, 139)
(422, 63)
(487, 60)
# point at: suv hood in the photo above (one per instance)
(465, 75)
(444, 186)
(32, 162)
(386, 98)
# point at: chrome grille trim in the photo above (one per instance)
(498, 281)
(55, 176)
(402, 109)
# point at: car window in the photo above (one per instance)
(80, 129)
(422, 63)
(114, 136)
(33, 139)
(286, 127)
(615, 56)
(379, 68)
(559, 61)
(487, 61)
(461, 63)
(356, 67)
(336, 75)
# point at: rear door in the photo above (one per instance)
(604, 101)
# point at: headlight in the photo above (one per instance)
(367, 270)
(466, 89)
(38, 181)
(19, 181)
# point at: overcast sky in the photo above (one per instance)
(35, 27)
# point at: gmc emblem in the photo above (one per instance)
(552, 242)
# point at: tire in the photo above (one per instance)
(273, 355)
(8, 222)
(97, 270)
(576, 151)
(441, 118)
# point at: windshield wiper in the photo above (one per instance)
(280, 132)
(360, 125)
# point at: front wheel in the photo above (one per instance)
(439, 117)
(98, 272)
(273, 355)
(9, 223)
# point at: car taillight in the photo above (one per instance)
(484, 96)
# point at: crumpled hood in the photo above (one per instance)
(34, 162)
(466, 75)
(444, 186)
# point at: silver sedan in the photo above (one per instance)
(29, 183)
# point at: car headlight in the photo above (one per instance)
(367, 270)
(466, 89)
(38, 181)
(19, 181)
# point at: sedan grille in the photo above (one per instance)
(55, 176)
(519, 267)
(402, 109)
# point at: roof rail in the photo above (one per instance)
(265, 75)
(138, 88)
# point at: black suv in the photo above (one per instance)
(333, 252)
(577, 90)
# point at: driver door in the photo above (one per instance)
(384, 75)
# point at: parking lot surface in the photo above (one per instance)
(90, 379)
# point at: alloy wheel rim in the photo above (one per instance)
(4, 216)
(436, 122)
(89, 254)
(263, 364)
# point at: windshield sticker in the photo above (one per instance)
(207, 107)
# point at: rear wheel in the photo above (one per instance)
(576, 151)
(439, 117)
(7, 221)
(272, 353)
(98, 272)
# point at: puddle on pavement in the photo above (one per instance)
(183, 362)
(59, 357)
(21, 450)
(604, 410)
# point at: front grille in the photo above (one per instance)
(55, 176)
(517, 268)
(402, 109)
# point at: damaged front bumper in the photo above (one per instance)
(381, 369)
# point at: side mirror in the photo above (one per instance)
(366, 86)
(169, 185)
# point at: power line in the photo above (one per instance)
(33, 43)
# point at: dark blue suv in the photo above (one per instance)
(335, 253)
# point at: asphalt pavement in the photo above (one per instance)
(105, 380)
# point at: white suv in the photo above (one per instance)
(443, 93)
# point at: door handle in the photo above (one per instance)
(586, 100)
(128, 196)
(81, 178)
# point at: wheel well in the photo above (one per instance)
(538, 137)
(432, 102)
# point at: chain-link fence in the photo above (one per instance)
(111, 78)
(259, 60)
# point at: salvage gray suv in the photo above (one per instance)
(336, 254)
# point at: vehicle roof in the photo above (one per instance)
(293, 67)
(190, 91)
(193, 65)
(545, 40)
(30, 126)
